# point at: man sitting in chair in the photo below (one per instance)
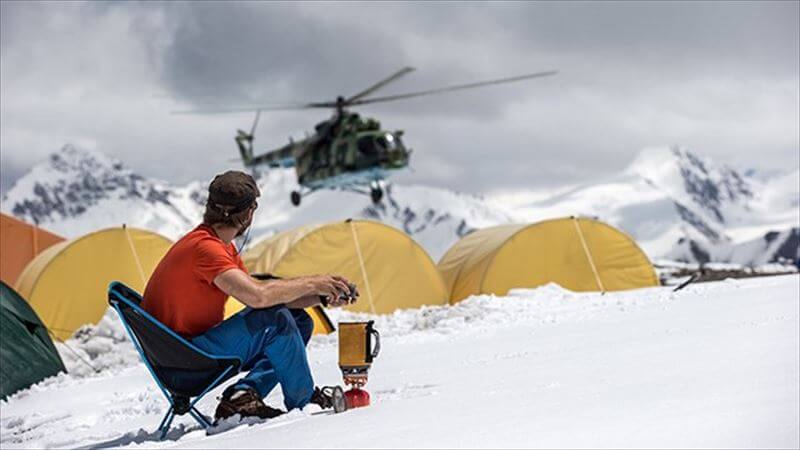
(189, 287)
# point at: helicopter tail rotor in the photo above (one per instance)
(255, 124)
(245, 143)
(245, 140)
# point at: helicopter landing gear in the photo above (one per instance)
(295, 197)
(376, 193)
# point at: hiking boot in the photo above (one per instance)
(329, 397)
(246, 403)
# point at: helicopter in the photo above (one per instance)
(347, 151)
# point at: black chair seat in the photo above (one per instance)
(180, 368)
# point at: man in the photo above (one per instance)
(189, 287)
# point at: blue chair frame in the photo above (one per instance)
(179, 403)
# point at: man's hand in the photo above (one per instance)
(342, 301)
(300, 292)
(329, 286)
(346, 299)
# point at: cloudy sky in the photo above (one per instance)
(720, 78)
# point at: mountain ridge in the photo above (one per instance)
(676, 204)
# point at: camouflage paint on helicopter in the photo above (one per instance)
(346, 151)
(357, 145)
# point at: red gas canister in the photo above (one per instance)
(356, 398)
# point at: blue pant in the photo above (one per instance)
(271, 344)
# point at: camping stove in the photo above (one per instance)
(356, 353)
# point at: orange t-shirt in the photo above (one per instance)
(181, 292)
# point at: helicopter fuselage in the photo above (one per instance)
(346, 151)
(362, 158)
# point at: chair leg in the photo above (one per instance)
(163, 427)
(198, 416)
(166, 422)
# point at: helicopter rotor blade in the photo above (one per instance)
(404, 71)
(458, 87)
(359, 99)
(250, 108)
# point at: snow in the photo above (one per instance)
(433, 217)
(714, 365)
(97, 348)
(668, 199)
(668, 196)
(75, 192)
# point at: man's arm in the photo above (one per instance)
(240, 285)
(303, 302)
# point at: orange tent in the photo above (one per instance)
(20, 242)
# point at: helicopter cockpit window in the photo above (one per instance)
(366, 145)
(380, 142)
(389, 142)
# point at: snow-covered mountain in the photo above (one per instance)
(76, 191)
(683, 207)
(676, 205)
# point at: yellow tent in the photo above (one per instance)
(322, 323)
(579, 254)
(66, 284)
(391, 270)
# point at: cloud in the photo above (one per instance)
(721, 78)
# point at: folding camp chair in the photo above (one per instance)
(180, 369)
